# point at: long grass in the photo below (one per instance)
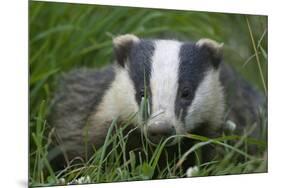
(67, 36)
(257, 56)
(111, 164)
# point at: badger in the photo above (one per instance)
(188, 87)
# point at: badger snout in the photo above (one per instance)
(158, 131)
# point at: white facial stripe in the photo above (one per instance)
(164, 77)
(208, 103)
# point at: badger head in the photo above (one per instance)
(181, 80)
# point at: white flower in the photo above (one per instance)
(81, 180)
(192, 171)
(61, 181)
(230, 125)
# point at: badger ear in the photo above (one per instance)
(122, 45)
(214, 48)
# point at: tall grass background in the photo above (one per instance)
(65, 36)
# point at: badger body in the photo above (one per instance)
(188, 87)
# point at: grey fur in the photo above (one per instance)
(80, 91)
(243, 101)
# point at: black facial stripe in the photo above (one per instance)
(140, 66)
(194, 62)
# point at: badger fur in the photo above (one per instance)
(188, 87)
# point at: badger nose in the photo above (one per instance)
(160, 131)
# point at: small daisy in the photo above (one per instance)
(81, 180)
(192, 171)
(230, 125)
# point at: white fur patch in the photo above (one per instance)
(210, 43)
(119, 101)
(164, 79)
(123, 39)
(208, 103)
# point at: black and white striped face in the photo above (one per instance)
(182, 81)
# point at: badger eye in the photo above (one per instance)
(186, 93)
(141, 93)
